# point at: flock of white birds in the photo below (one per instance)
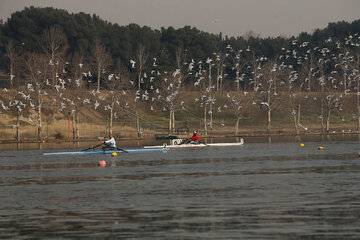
(300, 68)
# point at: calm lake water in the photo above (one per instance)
(261, 190)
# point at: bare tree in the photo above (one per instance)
(206, 99)
(266, 96)
(345, 60)
(295, 98)
(330, 100)
(142, 58)
(73, 99)
(116, 83)
(54, 45)
(220, 63)
(169, 96)
(38, 73)
(238, 63)
(357, 80)
(353, 84)
(308, 67)
(236, 104)
(13, 55)
(325, 86)
(102, 61)
(79, 69)
(254, 66)
(348, 61)
(18, 107)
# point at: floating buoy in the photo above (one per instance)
(321, 148)
(101, 163)
(43, 141)
(301, 145)
(114, 154)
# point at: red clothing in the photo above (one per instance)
(195, 138)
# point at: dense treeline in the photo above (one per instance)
(54, 62)
(82, 30)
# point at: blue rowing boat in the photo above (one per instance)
(107, 151)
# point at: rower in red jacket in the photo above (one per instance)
(195, 138)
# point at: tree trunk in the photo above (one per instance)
(53, 69)
(217, 79)
(255, 70)
(358, 106)
(238, 79)
(98, 78)
(139, 79)
(141, 55)
(11, 73)
(310, 73)
(73, 124)
(137, 122)
(328, 121)
(211, 117)
(221, 79)
(210, 75)
(358, 94)
(358, 123)
(322, 113)
(237, 126)
(298, 114)
(173, 121)
(309, 79)
(39, 122)
(297, 119)
(111, 116)
(170, 121)
(17, 127)
(77, 125)
(345, 75)
(107, 125)
(81, 80)
(296, 124)
(110, 122)
(205, 120)
(268, 121)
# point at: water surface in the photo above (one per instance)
(261, 190)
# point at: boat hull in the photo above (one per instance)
(196, 145)
(106, 152)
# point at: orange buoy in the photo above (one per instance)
(114, 154)
(321, 148)
(301, 145)
(101, 163)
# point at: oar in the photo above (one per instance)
(91, 147)
(122, 150)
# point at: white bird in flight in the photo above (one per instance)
(132, 63)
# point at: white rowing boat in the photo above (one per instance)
(107, 151)
(178, 144)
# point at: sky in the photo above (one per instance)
(230, 17)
